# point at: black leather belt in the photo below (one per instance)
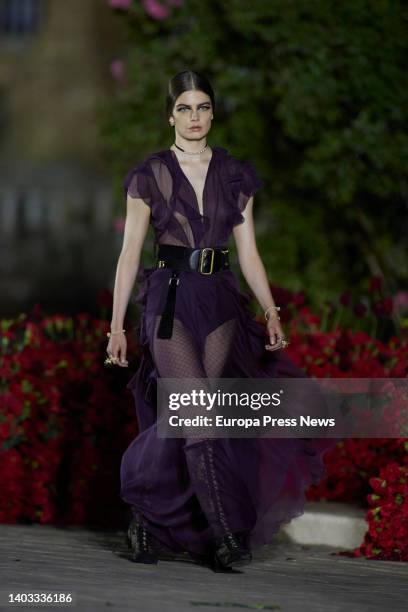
(205, 261)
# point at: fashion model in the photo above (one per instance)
(216, 499)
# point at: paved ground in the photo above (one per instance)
(95, 567)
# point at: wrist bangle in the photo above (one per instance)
(269, 307)
(112, 333)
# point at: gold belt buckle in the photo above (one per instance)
(202, 260)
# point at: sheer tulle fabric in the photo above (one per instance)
(175, 215)
(188, 491)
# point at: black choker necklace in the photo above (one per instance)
(188, 152)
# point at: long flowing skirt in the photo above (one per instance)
(188, 491)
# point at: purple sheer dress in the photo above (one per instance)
(186, 492)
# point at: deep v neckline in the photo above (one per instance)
(210, 163)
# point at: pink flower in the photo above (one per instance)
(120, 4)
(400, 300)
(156, 10)
(117, 69)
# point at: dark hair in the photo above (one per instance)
(186, 81)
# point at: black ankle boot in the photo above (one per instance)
(230, 552)
(139, 540)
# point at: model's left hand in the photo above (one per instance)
(275, 333)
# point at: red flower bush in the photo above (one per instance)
(353, 466)
(64, 423)
(387, 535)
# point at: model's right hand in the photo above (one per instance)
(116, 349)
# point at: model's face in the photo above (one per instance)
(193, 109)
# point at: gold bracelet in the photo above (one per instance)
(276, 308)
(119, 331)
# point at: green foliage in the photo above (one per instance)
(316, 95)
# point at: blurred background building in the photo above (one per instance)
(56, 201)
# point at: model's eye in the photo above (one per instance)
(183, 108)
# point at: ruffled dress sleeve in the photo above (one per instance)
(243, 182)
(147, 181)
(250, 184)
(139, 183)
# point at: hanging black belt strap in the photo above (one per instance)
(206, 261)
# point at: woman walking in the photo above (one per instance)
(216, 499)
